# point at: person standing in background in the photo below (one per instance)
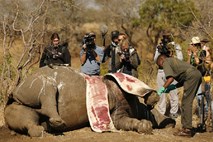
(91, 55)
(128, 59)
(197, 57)
(171, 49)
(56, 53)
(111, 50)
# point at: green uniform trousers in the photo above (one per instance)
(191, 84)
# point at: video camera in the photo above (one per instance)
(162, 47)
(89, 40)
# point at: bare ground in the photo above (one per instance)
(86, 134)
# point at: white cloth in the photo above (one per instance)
(161, 79)
(163, 99)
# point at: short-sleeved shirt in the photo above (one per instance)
(176, 68)
(91, 66)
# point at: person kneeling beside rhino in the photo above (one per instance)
(61, 94)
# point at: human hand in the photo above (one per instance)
(194, 51)
(160, 91)
(170, 88)
(189, 52)
(122, 58)
(84, 46)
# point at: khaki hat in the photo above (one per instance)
(195, 40)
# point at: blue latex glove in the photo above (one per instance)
(160, 91)
(170, 88)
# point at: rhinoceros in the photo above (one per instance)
(64, 99)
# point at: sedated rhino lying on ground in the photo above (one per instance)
(55, 100)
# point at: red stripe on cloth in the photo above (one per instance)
(97, 105)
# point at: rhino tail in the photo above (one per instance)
(10, 99)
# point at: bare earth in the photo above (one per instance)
(87, 135)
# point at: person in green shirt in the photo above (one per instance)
(187, 76)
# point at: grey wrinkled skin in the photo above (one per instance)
(23, 119)
(130, 114)
(57, 98)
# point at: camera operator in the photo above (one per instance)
(55, 54)
(171, 49)
(91, 55)
(128, 59)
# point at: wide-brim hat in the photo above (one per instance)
(195, 40)
(204, 40)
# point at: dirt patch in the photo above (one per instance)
(85, 135)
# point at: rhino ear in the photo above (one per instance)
(151, 98)
(142, 92)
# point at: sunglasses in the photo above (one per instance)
(197, 44)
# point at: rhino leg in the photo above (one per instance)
(49, 106)
(132, 124)
(122, 120)
(23, 119)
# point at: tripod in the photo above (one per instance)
(202, 126)
(205, 95)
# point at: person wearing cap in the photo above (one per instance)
(197, 58)
(188, 77)
(169, 48)
(91, 55)
(196, 55)
(111, 50)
